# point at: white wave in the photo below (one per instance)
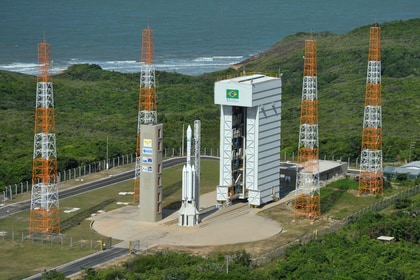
(204, 59)
(220, 57)
(233, 57)
(186, 64)
(18, 65)
(27, 68)
(122, 62)
(182, 65)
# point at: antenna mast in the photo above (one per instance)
(371, 174)
(44, 216)
(307, 195)
(147, 110)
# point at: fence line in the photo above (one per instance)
(98, 166)
(382, 204)
(73, 242)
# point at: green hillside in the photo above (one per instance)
(92, 104)
(342, 66)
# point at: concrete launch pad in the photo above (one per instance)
(235, 224)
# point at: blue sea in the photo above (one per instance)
(190, 36)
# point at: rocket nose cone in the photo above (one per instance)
(189, 132)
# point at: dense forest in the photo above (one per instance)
(92, 104)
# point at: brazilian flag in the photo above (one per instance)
(232, 94)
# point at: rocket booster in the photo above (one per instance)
(184, 183)
(191, 194)
(188, 171)
(188, 177)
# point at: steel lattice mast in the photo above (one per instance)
(307, 195)
(147, 111)
(44, 216)
(371, 174)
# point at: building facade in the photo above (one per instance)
(250, 123)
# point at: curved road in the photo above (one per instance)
(101, 257)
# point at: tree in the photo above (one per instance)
(53, 275)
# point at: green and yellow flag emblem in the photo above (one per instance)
(232, 94)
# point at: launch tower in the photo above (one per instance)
(147, 113)
(250, 121)
(44, 213)
(307, 194)
(371, 174)
(148, 170)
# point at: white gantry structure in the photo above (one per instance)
(250, 122)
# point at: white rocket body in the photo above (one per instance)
(188, 214)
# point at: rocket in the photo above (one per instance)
(188, 212)
(188, 173)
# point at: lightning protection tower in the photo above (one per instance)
(44, 214)
(371, 174)
(147, 113)
(307, 195)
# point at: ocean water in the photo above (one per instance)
(190, 36)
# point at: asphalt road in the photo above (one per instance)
(90, 261)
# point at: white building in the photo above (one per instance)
(250, 122)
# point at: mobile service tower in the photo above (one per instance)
(250, 122)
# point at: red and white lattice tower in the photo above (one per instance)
(44, 216)
(371, 174)
(147, 109)
(307, 194)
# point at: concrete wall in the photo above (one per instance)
(151, 145)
